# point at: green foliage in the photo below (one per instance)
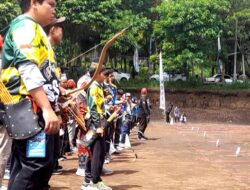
(189, 85)
(93, 13)
(154, 58)
(8, 10)
(240, 10)
(96, 21)
(185, 30)
(188, 30)
(137, 24)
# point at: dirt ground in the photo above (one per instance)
(176, 157)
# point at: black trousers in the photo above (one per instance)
(56, 150)
(117, 131)
(168, 117)
(95, 163)
(64, 145)
(143, 123)
(31, 173)
(107, 139)
(109, 133)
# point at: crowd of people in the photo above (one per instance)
(174, 115)
(43, 115)
(102, 96)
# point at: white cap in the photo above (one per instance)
(128, 94)
(63, 76)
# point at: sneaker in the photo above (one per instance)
(62, 158)
(117, 151)
(106, 171)
(83, 187)
(86, 186)
(122, 145)
(3, 188)
(6, 175)
(101, 186)
(73, 150)
(56, 172)
(119, 148)
(59, 168)
(107, 159)
(142, 138)
(80, 172)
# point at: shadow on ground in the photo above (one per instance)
(153, 139)
(69, 171)
(125, 187)
(126, 172)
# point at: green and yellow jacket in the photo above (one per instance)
(25, 41)
(95, 101)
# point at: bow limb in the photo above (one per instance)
(101, 61)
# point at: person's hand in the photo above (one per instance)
(52, 122)
(100, 131)
(63, 99)
(60, 119)
(109, 97)
(111, 108)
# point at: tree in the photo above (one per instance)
(238, 36)
(10, 9)
(96, 21)
(187, 32)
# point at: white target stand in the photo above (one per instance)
(205, 134)
(237, 152)
(217, 143)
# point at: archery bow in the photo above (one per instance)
(101, 61)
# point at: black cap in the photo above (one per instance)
(93, 68)
(58, 21)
